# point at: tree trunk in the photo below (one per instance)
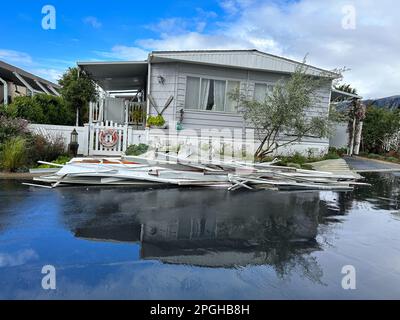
(351, 145)
(358, 137)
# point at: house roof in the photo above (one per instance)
(247, 59)
(7, 72)
(131, 75)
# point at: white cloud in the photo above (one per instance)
(121, 52)
(92, 21)
(13, 56)
(50, 74)
(50, 69)
(294, 29)
(18, 258)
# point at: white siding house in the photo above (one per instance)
(199, 83)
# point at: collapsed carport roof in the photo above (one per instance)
(117, 75)
(18, 76)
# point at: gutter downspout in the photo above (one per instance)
(148, 84)
(5, 90)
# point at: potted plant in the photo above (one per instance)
(156, 122)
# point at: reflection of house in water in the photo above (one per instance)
(202, 227)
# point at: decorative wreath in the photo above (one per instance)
(108, 138)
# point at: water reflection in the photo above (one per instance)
(208, 228)
(199, 243)
(383, 193)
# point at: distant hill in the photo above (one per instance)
(391, 103)
(388, 102)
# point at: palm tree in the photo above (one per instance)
(346, 88)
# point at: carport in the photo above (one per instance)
(11, 75)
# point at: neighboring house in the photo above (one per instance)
(16, 82)
(199, 83)
(340, 139)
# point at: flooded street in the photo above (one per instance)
(129, 243)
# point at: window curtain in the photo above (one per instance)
(260, 92)
(192, 93)
(204, 93)
(219, 95)
(231, 105)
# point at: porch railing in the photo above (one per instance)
(136, 114)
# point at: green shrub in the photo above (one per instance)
(55, 110)
(156, 121)
(392, 159)
(27, 108)
(13, 154)
(374, 156)
(294, 165)
(339, 151)
(6, 111)
(380, 124)
(12, 127)
(136, 149)
(45, 148)
(41, 108)
(307, 166)
(295, 158)
(331, 155)
(60, 160)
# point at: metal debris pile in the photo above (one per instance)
(174, 170)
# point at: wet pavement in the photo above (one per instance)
(364, 164)
(128, 243)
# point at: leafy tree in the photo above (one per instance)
(55, 109)
(78, 90)
(380, 125)
(284, 112)
(27, 108)
(41, 108)
(346, 88)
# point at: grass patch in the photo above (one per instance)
(13, 154)
(300, 161)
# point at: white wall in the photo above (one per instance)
(52, 131)
(340, 136)
(175, 75)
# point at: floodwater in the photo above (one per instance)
(128, 243)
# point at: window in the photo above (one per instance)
(192, 92)
(210, 94)
(261, 90)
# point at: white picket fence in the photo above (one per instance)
(98, 147)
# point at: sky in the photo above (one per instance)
(362, 36)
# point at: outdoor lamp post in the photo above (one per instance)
(73, 145)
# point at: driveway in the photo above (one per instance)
(370, 165)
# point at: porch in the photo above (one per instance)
(118, 118)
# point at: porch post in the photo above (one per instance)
(101, 111)
(90, 112)
(5, 91)
(148, 85)
(126, 102)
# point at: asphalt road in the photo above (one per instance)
(357, 163)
